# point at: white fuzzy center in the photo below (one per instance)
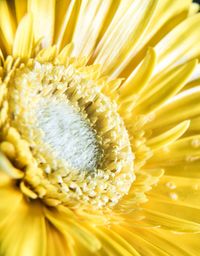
(68, 134)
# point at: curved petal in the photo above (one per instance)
(165, 87)
(7, 26)
(180, 44)
(43, 20)
(184, 106)
(57, 243)
(20, 9)
(21, 222)
(74, 230)
(23, 42)
(186, 149)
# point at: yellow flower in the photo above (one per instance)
(99, 128)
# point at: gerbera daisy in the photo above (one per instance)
(99, 128)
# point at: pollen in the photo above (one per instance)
(70, 137)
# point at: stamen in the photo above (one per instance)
(68, 134)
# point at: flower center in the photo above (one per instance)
(67, 133)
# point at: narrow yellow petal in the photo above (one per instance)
(184, 106)
(57, 243)
(64, 55)
(4, 179)
(169, 222)
(167, 15)
(195, 124)
(184, 169)
(10, 200)
(138, 80)
(188, 244)
(165, 87)
(140, 243)
(20, 9)
(186, 149)
(65, 21)
(5, 166)
(115, 245)
(43, 20)
(178, 192)
(28, 192)
(7, 26)
(88, 27)
(169, 136)
(47, 54)
(127, 27)
(180, 44)
(71, 227)
(8, 149)
(164, 242)
(28, 230)
(194, 8)
(23, 42)
(1, 57)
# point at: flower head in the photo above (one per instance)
(99, 128)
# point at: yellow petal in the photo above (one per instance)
(123, 34)
(177, 191)
(57, 243)
(64, 55)
(28, 228)
(1, 57)
(166, 242)
(170, 222)
(43, 20)
(180, 44)
(71, 227)
(65, 21)
(10, 200)
(184, 106)
(165, 87)
(184, 169)
(47, 54)
(169, 136)
(7, 26)
(4, 179)
(20, 9)
(195, 124)
(194, 8)
(183, 150)
(88, 27)
(23, 42)
(6, 166)
(143, 246)
(139, 79)
(186, 244)
(167, 15)
(113, 244)
(27, 191)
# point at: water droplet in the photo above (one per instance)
(170, 185)
(92, 193)
(65, 188)
(48, 170)
(166, 149)
(59, 179)
(73, 185)
(105, 199)
(195, 143)
(196, 187)
(173, 196)
(190, 159)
